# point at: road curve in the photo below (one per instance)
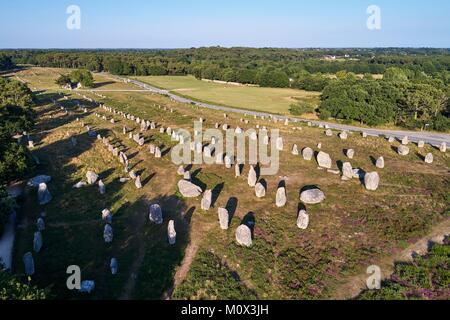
(432, 138)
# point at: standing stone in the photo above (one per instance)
(347, 171)
(312, 196)
(152, 148)
(329, 133)
(324, 160)
(114, 266)
(281, 198)
(350, 153)
(188, 189)
(266, 140)
(107, 216)
(158, 153)
(30, 144)
(44, 196)
(237, 170)
(37, 241)
(228, 162)
(279, 144)
(403, 150)
(206, 200)
(319, 146)
(187, 176)
(244, 235)
(252, 178)
(171, 233)
(429, 158)
(138, 183)
(364, 134)
(91, 177)
(371, 181)
(295, 150)
(405, 141)
(155, 214)
(132, 174)
(260, 190)
(40, 224)
(101, 187)
(421, 144)
(303, 220)
(380, 163)
(391, 139)
(28, 263)
(108, 233)
(224, 218)
(443, 147)
(307, 154)
(343, 135)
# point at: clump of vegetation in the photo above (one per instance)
(427, 277)
(402, 97)
(16, 116)
(83, 77)
(302, 108)
(209, 279)
(13, 289)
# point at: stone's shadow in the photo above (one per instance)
(373, 160)
(420, 156)
(216, 193)
(231, 207)
(148, 179)
(250, 221)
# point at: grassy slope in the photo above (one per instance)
(348, 232)
(274, 100)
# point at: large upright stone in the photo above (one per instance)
(421, 144)
(371, 181)
(307, 154)
(403, 150)
(155, 214)
(405, 141)
(281, 199)
(443, 147)
(329, 133)
(312, 196)
(347, 171)
(91, 177)
(380, 163)
(108, 233)
(252, 177)
(138, 183)
(28, 263)
(224, 218)
(294, 150)
(343, 135)
(429, 158)
(303, 220)
(158, 152)
(40, 224)
(114, 265)
(244, 235)
(44, 196)
(107, 216)
(237, 170)
(350, 153)
(206, 200)
(101, 187)
(181, 171)
(324, 160)
(188, 189)
(37, 241)
(171, 233)
(228, 162)
(260, 190)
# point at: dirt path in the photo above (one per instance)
(356, 284)
(183, 270)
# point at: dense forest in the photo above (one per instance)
(404, 87)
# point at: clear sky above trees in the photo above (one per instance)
(259, 23)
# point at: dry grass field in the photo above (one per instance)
(273, 100)
(351, 230)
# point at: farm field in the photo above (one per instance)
(351, 230)
(272, 100)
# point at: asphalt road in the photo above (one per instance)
(431, 138)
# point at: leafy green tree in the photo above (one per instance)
(301, 108)
(82, 76)
(63, 80)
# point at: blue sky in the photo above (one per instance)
(194, 23)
